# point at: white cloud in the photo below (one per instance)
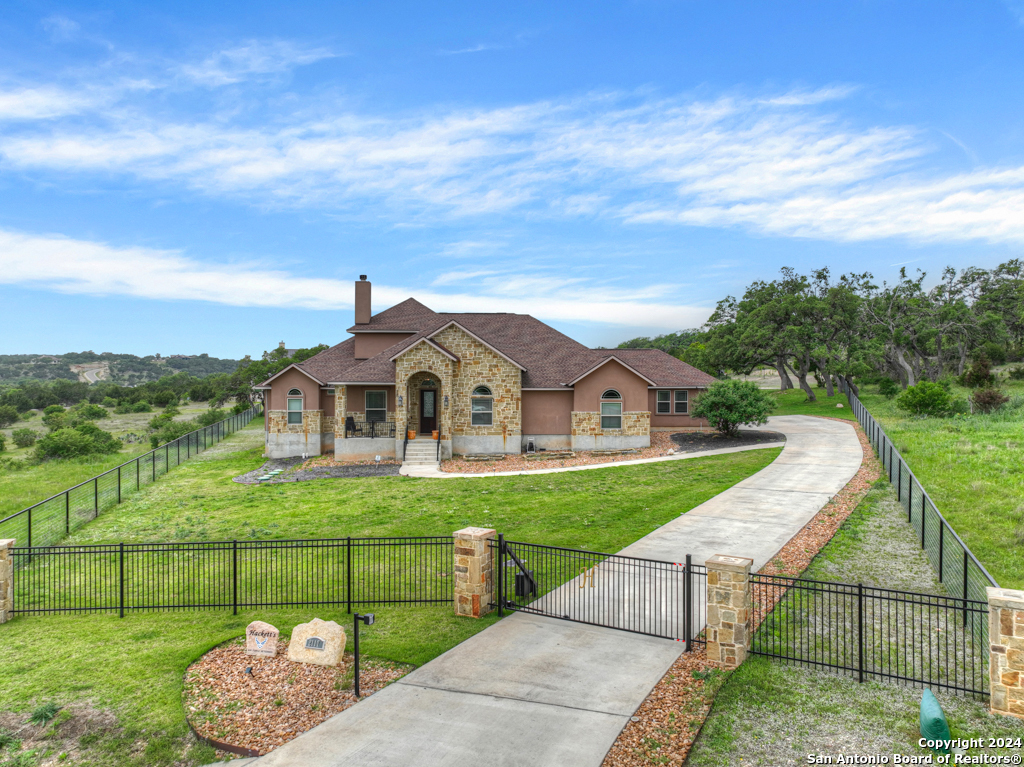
(779, 165)
(66, 265)
(44, 103)
(255, 57)
(60, 28)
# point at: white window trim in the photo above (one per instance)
(488, 399)
(289, 398)
(658, 402)
(366, 404)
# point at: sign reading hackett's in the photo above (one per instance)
(261, 639)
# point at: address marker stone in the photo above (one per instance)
(261, 639)
(319, 642)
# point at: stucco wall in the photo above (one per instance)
(662, 421)
(611, 375)
(371, 344)
(355, 398)
(547, 412)
(294, 379)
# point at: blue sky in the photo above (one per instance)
(188, 177)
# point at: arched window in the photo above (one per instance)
(295, 406)
(482, 407)
(611, 412)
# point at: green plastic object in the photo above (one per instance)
(933, 722)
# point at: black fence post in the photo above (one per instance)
(348, 573)
(138, 481)
(121, 589)
(899, 483)
(860, 632)
(119, 484)
(687, 603)
(30, 532)
(67, 513)
(152, 459)
(234, 577)
(923, 522)
(501, 575)
(96, 497)
(965, 588)
(355, 647)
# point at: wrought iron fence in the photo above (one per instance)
(959, 570)
(370, 429)
(125, 577)
(873, 633)
(49, 521)
(642, 596)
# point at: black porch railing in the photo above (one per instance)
(642, 596)
(959, 570)
(125, 577)
(873, 633)
(369, 429)
(49, 521)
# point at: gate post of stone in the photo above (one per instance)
(474, 571)
(1006, 651)
(729, 610)
(6, 579)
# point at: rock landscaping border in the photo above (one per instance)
(669, 720)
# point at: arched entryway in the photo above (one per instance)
(424, 396)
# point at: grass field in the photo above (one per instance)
(134, 666)
(971, 466)
(26, 482)
(794, 402)
(772, 714)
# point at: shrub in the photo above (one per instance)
(141, 407)
(888, 388)
(172, 409)
(3, 441)
(989, 400)
(90, 412)
(995, 352)
(104, 441)
(211, 416)
(727, 404)
(1017, 373)
(55, 421)
(65, 443)
(51, 409)
(240, 407)
(8, 415)
(24, 437)
(164, 397)
(169, 431)
(979, 374)
(926, 398)
(123, 408)
(109, 402)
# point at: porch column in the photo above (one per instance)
(474, 571)
(729, 610)
(6, 579)
(1006, 651)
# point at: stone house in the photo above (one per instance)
(484, 383)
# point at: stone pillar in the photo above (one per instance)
(1006, 651)
(6, 579)
(474, 571)
(729, 610)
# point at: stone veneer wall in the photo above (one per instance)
(312, 422)
(634, 424)
(6, 579)
(412, 393)
(729, 610)
(424, 358)
(340, 410)
(479, 366)
(474, 574)
(1006, 651)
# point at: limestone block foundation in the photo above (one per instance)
(6, 579)
(729, 610)
(1006, 651)
(474, 571)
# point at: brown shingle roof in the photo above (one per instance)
(549, 358)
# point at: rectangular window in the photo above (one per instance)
(681, 403)
(295, 410)
(376, 406)
(329, 391)
(664, 402)
(483, 411)
(611, 415)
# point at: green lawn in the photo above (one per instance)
(794, 402)
(971, 466)
(134, 666)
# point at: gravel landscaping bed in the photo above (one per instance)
(321, 467)
(279, 701)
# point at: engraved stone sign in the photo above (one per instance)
(261, 639)
(319, 642)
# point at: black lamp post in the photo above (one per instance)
(368, 620)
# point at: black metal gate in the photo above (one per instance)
(642, 596)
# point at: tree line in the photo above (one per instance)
(850, 328)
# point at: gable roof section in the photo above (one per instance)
(424, 340)
(409, 316)
(664, 369)
(473, 335)
(605, 361)
(290, 367)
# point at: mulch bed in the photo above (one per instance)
(279, 701)
(669, 720)
(320, 467)
(661, 443)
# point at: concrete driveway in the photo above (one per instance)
(534, 691)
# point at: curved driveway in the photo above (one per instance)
(531, 690)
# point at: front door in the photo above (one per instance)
(428, 410)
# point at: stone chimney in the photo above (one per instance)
(280, 345)
(362, 301)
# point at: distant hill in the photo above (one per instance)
(125, 369)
